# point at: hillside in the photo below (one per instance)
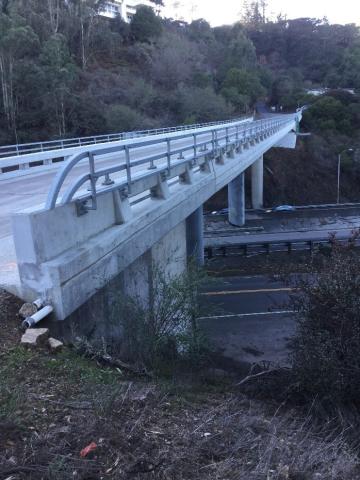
(67, 71)
(194, 425)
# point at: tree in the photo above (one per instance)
(351, 67)
(82, 17)
(327, 114)
(121, 118)
(145, 25)
(17, 43)
(242, 88)
(254, 13)
(236, 51)
(5, 6)
(201, 105)
(61, 74)
(174, 60)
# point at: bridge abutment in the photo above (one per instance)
(101, 316)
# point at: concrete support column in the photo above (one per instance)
(195, 236)
(236, 200)
(257, 183)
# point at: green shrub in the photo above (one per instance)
(160, 336)
(326, 348)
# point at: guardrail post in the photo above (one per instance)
(122, 208)
(221, 157)
(231, 152)
(93, 180)
(205, 167)
(107, 180)
(246, 140)
(152, 166)
(161, 190)
(239, 148)
(213, 144)
(128, 167)
(195, 149)
(168, 155)
(204, 148)
(187, 178)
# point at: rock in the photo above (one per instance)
(63, 430)
(55, 345)
(34, 337)
(218, 373)
(27, 310)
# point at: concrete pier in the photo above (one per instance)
(195, 235)
(257, 183)
(236, 200)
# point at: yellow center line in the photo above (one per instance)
(239, 292)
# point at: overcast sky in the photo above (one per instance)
(227, 11)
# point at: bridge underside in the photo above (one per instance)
(68, 259)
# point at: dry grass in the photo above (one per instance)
(143, 431)
(51, 407)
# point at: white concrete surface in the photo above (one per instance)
(289, 141)
(257, 183)
(236, 200)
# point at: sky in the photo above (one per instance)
(228, 11)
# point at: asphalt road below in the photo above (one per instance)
(248, 320)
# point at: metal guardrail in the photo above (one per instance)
(177, 161)
(268, 247)
(35, 147)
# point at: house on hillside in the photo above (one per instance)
(317, 92)
(125, 8)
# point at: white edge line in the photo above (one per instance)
(280, 312)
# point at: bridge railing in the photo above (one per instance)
(175, 157)
(36, 147)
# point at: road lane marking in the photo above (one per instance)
(239, 292)
(240, 315)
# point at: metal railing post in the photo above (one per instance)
(128, 168)
(168, 155)
(195, 149)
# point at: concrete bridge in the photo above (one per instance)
(112, 212)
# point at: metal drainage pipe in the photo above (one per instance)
(37, 317)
